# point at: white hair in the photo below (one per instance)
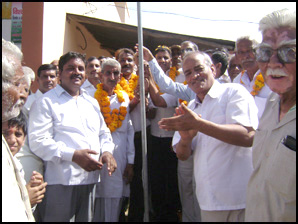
(29, 75)
(110, 62)
(11, 54)
(11, 61)
(254, 43)
(205, 56)
(279, 18)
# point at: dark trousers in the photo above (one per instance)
(163, 180)
(136, 201)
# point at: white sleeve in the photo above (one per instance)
(130, 142)
(167, 85)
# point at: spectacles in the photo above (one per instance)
(285, 54)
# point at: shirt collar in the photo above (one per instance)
(59, 91)
(213, 92)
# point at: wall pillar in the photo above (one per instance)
(32, 36)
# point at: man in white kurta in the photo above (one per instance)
(111, 189)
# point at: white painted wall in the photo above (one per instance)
(60, 36)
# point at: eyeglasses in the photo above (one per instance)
(285, 54)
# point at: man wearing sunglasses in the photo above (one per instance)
(250, 77)
(271, 191)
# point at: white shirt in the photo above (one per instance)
(224, 78)
(167, 85)
(261, 98)
(222, 170)
(30, 100)
(30, 162)
(60, 124)
(114, 186)
(89, 87)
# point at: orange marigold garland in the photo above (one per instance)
(130, 86)
(173, 73)
(113, 119)
(258, 85)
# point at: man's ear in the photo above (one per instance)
(213, 69)
(218, 68)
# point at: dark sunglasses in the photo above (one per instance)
(285, 54)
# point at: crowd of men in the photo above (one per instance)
(221, 133)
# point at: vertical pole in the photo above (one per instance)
(143, 116)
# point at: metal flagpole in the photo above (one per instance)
(143, 116)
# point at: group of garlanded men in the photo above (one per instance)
(220, 148)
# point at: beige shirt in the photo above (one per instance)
(15, 200)
(271, 192)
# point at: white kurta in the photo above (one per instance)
(114, 186)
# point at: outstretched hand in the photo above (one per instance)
(185, 121)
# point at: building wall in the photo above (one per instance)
(32, 36)
(47, 34)
(61, 35)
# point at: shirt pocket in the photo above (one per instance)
(282, 172)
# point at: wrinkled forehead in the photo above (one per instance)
(111, 68)
(279, 36)
(193, 60)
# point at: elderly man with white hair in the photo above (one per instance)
(271, 191)
(15, 201)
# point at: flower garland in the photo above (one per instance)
(173, 73)
(258, 85)
(130, 86)
(113, 119)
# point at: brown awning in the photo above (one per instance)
(112, 36)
